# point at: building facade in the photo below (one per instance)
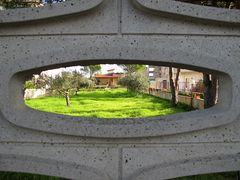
(188, 80)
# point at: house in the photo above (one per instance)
(109, 80)
(190, 80)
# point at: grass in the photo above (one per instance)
(25, 176)
(114, 103)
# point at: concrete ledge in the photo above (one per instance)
(154, 165)
(69, 162)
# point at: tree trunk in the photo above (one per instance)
(209, 99)
(176, 84)
(67, 98)
(228, 3)
(172, 87)
(76, 92)
(214, 89)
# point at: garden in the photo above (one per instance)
(109, 103)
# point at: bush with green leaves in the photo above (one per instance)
(135, 82)
(29, 85)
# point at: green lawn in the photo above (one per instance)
(25, 176)
(114, 103)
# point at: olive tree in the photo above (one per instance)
(79, 81)
(135, 82)
(62, 83)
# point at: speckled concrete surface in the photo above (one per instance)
(119, 31)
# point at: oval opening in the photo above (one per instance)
(120, 127)
(120, 91)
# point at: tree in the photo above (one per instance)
(92, 69)
(42, 81)
(216, 3)
(29, 85)
(210, 90)
(135, 82)
(174, 86)
(133, 68)
(78, 81)
(62, 84)
(9, 4)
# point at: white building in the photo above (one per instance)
(188, 79)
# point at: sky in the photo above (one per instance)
(104, 69)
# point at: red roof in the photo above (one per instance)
(106, 76)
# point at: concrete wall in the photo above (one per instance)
(34, 93)
(196, 103)
(79, 32)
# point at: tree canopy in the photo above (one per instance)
(133, 68)
(136, 82)
(92, 69)
(216, 3)
(10, 4)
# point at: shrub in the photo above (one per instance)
(135, 82)
(29, 85)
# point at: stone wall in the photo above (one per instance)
(83, 32)
(191, 101)
(34, 93)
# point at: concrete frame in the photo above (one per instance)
(81, 32)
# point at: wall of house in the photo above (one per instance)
(188, 79)
(115, 82)
(103, 81)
